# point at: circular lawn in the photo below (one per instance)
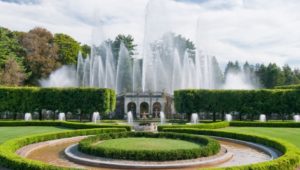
(143, 143)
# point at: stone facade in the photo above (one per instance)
(148, 104)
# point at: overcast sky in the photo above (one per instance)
(246, 30)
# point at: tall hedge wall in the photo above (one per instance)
(294, 86)
(29, 99)
(253, 102)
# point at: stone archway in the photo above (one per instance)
(156, 109)
(144, 109)
(131, 106)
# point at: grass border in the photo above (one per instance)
(208, 147)
(213, 125)
(265, 124)
(9, 159)
(66, 124)
(288, 161)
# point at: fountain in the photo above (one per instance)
(262, 118)
(62, 117)
(164, 64)
(228, 117)
(297, 118)
(95, 117)
(194, 118)
(162, 118)
(28, 117)
(130, 118)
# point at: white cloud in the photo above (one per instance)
(252, 30)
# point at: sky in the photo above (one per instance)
(257, 31)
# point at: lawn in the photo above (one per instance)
(7, 133)
(291, 135)
(148, 144)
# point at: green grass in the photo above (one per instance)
(148, 144)
(291, 135)
(7, 133)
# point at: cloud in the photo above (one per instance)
(245, 30)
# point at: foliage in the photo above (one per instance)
(9, 158)
(41, 53)
(85, 50)
(29, 99)
(197, 126)
(292, 135)
(127, 40)
(69, 125)
(11, 132)
(13, 74)
(208, 147)
(68, 48)
(9, 46)
(12, 70)
(265, 124)
(251, 102)
(288, 161)
(294, 86)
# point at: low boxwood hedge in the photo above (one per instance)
(208, 147)
(71, 125)
(265, 124)
(288, 161)
(216, 125)
(9, 159)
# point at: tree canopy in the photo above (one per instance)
(68, 48)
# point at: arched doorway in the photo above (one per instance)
(131, 106)
(144, 109)
(156, 109)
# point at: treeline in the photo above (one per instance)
(250, 103)
(266, 76)
(27, 57)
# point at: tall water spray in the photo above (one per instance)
(124, 71)
(96, 117)
(262, 118)
(27, 117)
(130, 118)
(194, 118)
(62, 117)
(296, 118)
(162, 118)
(228, 117)
(165, 63)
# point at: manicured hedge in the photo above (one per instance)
(250, 102)
(265, 124)
(288, 161)
(294, 86)
(71, 125)
(211, 125)
(30, 99)
(9, 159)
(208, 147)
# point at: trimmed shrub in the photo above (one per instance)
(29, 99)
(9, 159)
(71, 125)
(288, 161)
(265, 124)
(207, 147)
(250, 102)
(294, 86)
(216, 125)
